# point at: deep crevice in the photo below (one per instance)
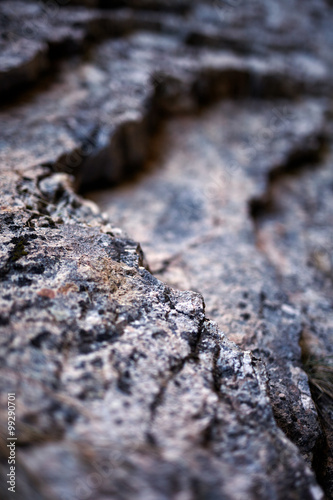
(308, 157)
(322, 454)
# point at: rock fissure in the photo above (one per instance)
(149, 376)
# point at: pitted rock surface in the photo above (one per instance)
(125, 386)
(199, 234)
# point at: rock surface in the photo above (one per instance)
(191, 216)
(125, 388)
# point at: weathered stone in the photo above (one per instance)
(124, 388)
(192, 218)
(103, 356)
(302, 224)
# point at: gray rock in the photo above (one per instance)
(125, 388)
(192, 218)
(120, 381)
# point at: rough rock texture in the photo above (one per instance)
(302, 222)
(125, 387)
(192, 218)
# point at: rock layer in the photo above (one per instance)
(124, 377)
(124, 388)
(191, 216)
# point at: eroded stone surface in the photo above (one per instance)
(192, 217)
(301, 222)
(124, 388)
(126, 372)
